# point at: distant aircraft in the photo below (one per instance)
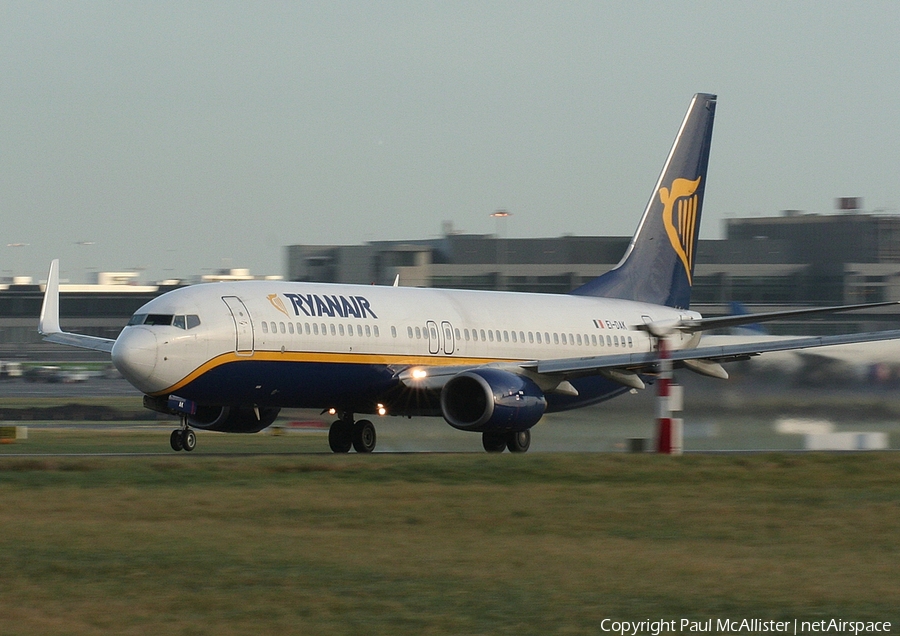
(228, 356)
(869, 363)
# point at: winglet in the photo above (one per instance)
(49, 322)
(48, 325)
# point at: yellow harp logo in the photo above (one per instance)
(680, 218)
(278, 304)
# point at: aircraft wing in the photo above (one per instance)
(721, 353)
(553, 375)
(48, 326)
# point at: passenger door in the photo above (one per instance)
(243, 327)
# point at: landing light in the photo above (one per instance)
(419, 374)
(382, 410)
(332, 411)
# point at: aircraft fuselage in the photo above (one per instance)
(341, 346)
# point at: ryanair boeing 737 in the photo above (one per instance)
(227, 356)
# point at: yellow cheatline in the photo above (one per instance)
(325, 357)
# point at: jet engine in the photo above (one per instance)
(492, 400)
(233, 419)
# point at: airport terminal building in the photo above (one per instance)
(767, 263)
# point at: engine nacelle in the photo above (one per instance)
(232, 419)
(492, 400)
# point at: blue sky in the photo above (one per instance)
(179, 138)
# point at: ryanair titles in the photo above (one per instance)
(332, 306)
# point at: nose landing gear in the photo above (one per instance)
(183, 438)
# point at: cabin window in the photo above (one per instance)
(522, 336)
(434, 334)
(475, 335)
(283, 330)
(273, 327)
(375, 330)
(315, 329)
(393, 331)
(324, 329)
(490, 335)
(341, 329)
(538, 334)
(306, 328)
(594, 339)
(333, 330)
(418, 334)
(409, 332)
(482, 335)
(466, 332)
(565, 340)
(368, 332)
(514, 337)
(178, 321)
(291, 328)
(608, 341)
(457, 334)
(265, 327)
(615, 341)
(359, 330)
(505, 336)
(630, 343)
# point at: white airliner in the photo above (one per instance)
(228, 356)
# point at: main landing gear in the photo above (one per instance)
(345, 433)
(183, 438)
(515, 441)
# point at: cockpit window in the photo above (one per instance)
(182, 322)
(159, 319)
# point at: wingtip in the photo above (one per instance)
(49, 320)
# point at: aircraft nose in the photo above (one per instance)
(134, 355)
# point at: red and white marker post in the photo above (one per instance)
(669, 429)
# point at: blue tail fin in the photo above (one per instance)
(658, 265)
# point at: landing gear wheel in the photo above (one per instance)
(188, 439)
(340, 436)
(518, 441)
(493, 442)
(176, 441)
(364, 436)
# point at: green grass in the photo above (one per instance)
(112, 437)
(441, 544)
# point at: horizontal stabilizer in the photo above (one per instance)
(663, 328)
